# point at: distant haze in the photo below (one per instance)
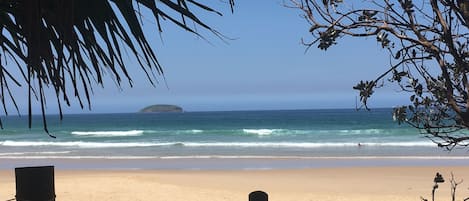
(264, 67)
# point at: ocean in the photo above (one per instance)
(248, 135)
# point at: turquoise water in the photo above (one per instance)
(240, 134)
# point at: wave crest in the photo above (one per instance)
(82, 144)
(305, 145)
(108, 133)
(259, 131)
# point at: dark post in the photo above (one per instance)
(258, 196)
(35, 183)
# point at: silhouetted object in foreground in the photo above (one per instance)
(54, 45)
(428, 56)
(35, 183)
(454, 184)
(258, 196)
(438, 179)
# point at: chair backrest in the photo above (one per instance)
(258, 196)
(35, 183)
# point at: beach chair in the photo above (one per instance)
(35, 183)
(258, 196)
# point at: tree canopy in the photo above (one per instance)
(70, 45)
(428, 44)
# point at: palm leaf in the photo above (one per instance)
(70, 45)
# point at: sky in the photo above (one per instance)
(261, 66)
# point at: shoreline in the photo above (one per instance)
(334, 184)
(233, 163)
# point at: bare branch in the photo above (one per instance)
(429, 56)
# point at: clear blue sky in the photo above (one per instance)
(264, 67)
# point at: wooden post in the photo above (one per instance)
(258, 196)
(35, 183)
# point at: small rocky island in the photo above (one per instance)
(162, 108)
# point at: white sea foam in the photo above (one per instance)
(362, 131)
(315, 157)
(259, 131)
(465, 158)
(306, 144)
(402, 144)
(34, 153)
(108, 133)
(82, 144)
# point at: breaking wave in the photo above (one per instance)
(259, 131)
(82, 144)
(108, 133)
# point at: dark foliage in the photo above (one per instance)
(428, 44)
(70, 45)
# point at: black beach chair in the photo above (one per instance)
(35, 183)
(258, 196)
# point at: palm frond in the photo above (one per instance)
(70, 45)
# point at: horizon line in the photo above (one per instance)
(195, 111)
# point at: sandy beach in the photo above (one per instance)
(293, 155)
(342, 183)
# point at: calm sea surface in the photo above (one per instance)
(247, 134)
